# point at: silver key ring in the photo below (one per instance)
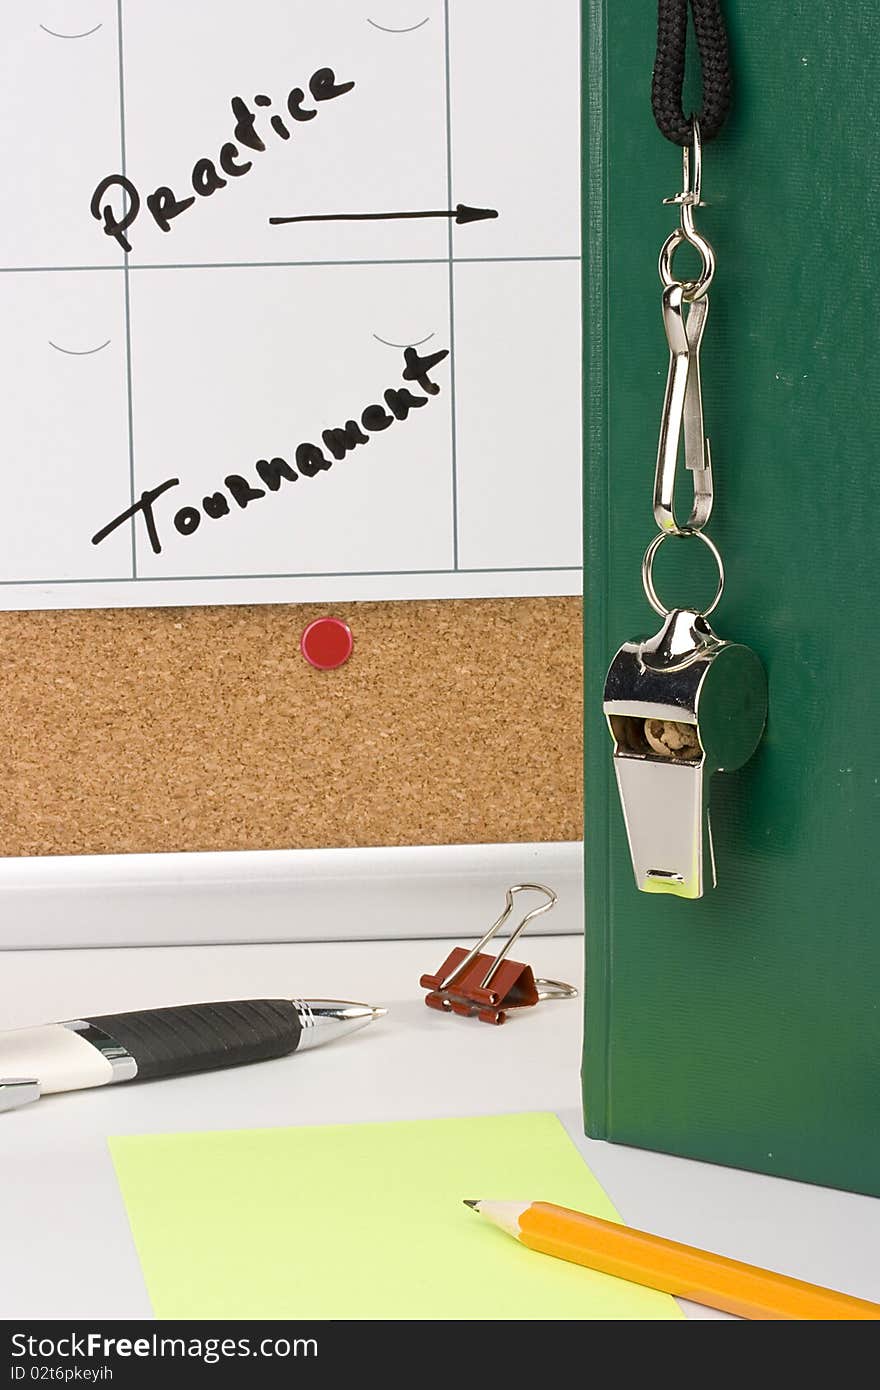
(648, 570)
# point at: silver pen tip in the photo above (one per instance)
(323, 1020)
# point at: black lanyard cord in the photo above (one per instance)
(668, 79)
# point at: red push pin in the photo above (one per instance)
(326, 643)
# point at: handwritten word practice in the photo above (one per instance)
(206, 179)
(310, 459)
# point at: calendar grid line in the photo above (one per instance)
(127, 297)
(304, 574)
(453, 427)
(274, 265)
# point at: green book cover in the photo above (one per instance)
(744, 1028)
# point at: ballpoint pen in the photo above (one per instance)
(155, 1043)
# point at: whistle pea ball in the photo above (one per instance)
(672, 739)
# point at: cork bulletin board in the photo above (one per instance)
(203, 728)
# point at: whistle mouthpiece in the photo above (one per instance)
(667, 824)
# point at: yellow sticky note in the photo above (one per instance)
(363, 1221)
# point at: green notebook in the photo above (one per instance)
(744, 1028)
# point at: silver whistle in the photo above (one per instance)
(685, 703)
(680, 706)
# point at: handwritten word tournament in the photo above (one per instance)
(309, 458)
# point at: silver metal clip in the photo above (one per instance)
(683, 403)
(683, 415)
(15, 1092)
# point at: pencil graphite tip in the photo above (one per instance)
(469, 1203)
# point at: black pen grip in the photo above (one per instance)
(203, 1037)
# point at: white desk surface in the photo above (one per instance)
(65, 1248)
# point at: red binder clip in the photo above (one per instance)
(487, 987)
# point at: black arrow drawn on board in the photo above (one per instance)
(461, 212)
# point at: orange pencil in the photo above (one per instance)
(662, 1264)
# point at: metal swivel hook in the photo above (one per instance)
(689, 198)
(683, 402)
(683, 415)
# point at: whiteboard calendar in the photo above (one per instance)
(290, 301)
